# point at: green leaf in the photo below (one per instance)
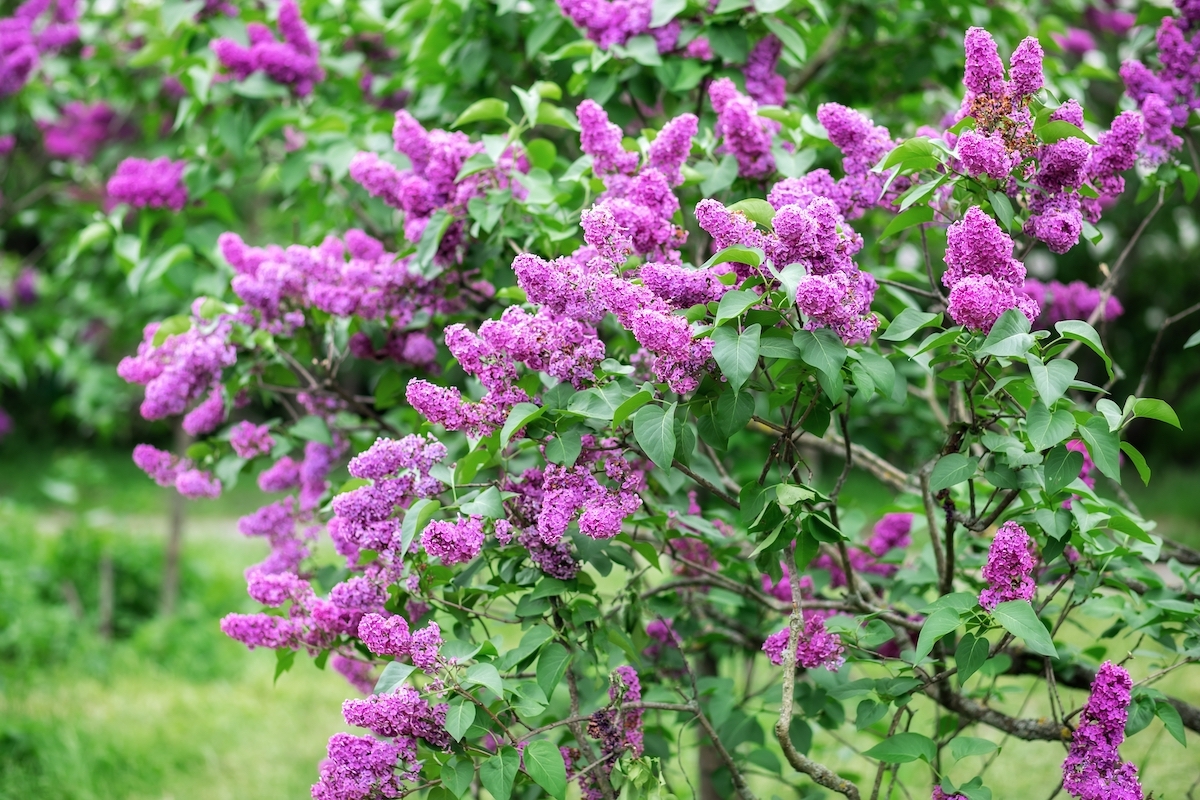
(533, 639)
(552, 665)
(1009, 347)
(737, 254)
(733, 411)
(936, 625)
(544, 763)
(869, 712)
(1080, 331)
(498, 773)
(313, 429)
(481, 110)
(755, 210)
(457, 775)
(736, 353)
(917, 148)
(1171, 721)
(663, 11)
(1003, 208)
(952, 470)
(1059, 129)
(644, 50)
(721, 178)
(565, 447)
(1192, 340)
(880, 370)
(459, 717)
(521, 415)
(485, 675)
(487, 503)
(1018, 618)
(1051, 379)
(908, 322)
(734, 303)
(904, 747)
(1046, 429)
(654, 430)
(969, 656)
(415, 519)
(786, 34)
(1062, 467)
(1103, 446)
(1149, 408)
(172, 326)
(823, 350)
(629, 406)
(1139, 461)
(907, 219)
(393, 675)
(966, 746)
(431, 240)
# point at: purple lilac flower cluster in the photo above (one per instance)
(938, 794)
(863, 145)
(817, 646)
(983, 277)
(30, 33)
(744, 134)
(170, 470)
(353, 276)
(389, 636)
(1168, 96)
(1009, 567)
(79, 131)
(1093, 769)
(431, 182)
(399, 473)
(292, 61)
(609, 22)
(892, 532)
(547, 341)
(1074, 300)
(1003, 137)
(809, 229)
(149, 184)
(574, 494)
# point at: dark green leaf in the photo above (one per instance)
(552, 665)
(952, 470)
(1059, 129)
(1149, 408)
(936, 625)
(1045, 429)
(1103, 446)
(823, 350)
(457, 775)
(1051, 379)
(755, 210)
(1018, 618)
(415, 519)
(869, 712)
(736, 354)
(431, 240)
(1139, 461)
(737, 254)
(486, 109)
(544, 763)
(1062, 467)
(1080, 331)
(907, 219)
(908, 322)
(564, 448)
(969, 656)
(485, 675)
(520, 416)
(663, 11)
(312, 428)
(966, 746)
(393, 675)
(459, 717)
(1171, 721)
(654, 430)
(734, 303)
(733, 410)
(498, 773)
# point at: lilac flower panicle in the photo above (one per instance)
(985, 71)
(1025, 67)
(601, 139)
(1093, 769)
(744, 135)
(149, 184)
(292, 62)
(763, 83)
(454, 542)
(1009, 567)
(983, 277)
(250, 441)
(817, 646)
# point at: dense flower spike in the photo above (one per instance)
(1168, 96)
(863, 144)
(36, 28)
(1074, 300)
(292, 61)
(743, 133)
(80, 131)
(817, 646)
(179, 368)
(609, 22)
(249, 440)
(763, 83)
(149, 184)
(1093, 769)
(1009, 567)
(983, 278)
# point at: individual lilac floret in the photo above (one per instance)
(817, 646)
(1009, 567)
(249, 440)
(292, 62)
(149, 184)
(1093, 769)
(744, 135)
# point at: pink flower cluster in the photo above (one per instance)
(431, 182)
(609, 22)
(983, 278)
(170, 470)
(29, 33)
(743, 133)
(1168, 96)
(817, 646)
(389, 636)
(1074, 300)
(180, 369)
(810, 230)
(353, 276)
(1009, 567)
(292, 61)
(149, 184)
(574, 494)
(1093, 769)
(79, 131)
(892, 532)
(863, 145)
